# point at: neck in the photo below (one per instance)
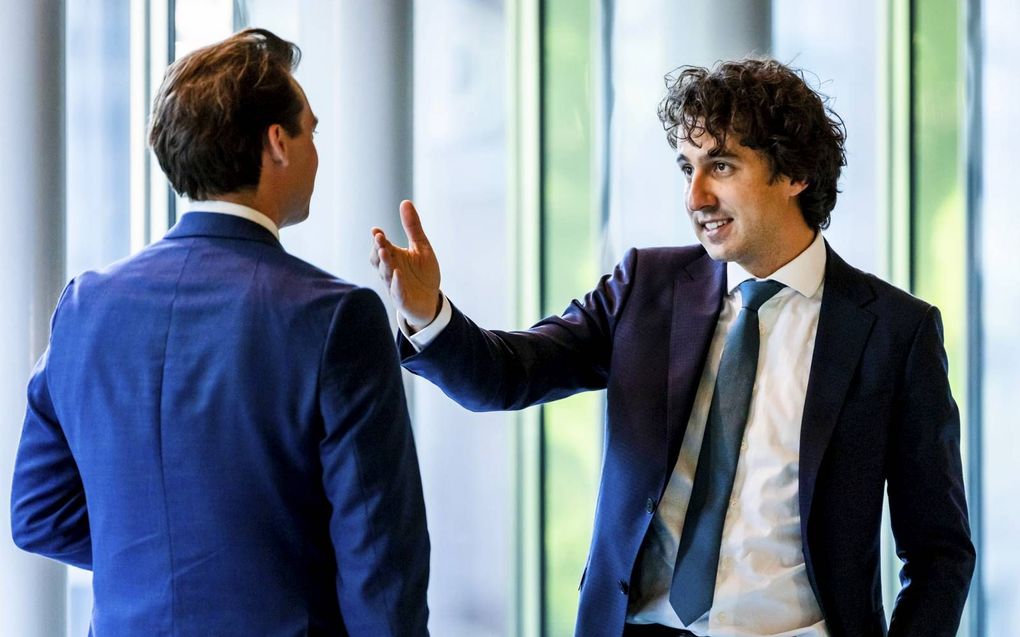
(253, 200)
(784, 252)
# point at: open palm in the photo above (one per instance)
(412, 273)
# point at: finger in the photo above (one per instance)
(387, 262)
(378, 241)
(396, 289)
(412, 224)
(379, 237)
(380, 268)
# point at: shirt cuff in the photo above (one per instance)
(421, 339)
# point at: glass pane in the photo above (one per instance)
(201, 22)
(98, 134)
(939, 189)
(460, 181)
(573, 427)
(1000, 225)
(646, 190)
(97, 73)
(844, 63)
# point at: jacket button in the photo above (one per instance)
(624, 587)
(650, 505)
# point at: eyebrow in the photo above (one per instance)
(712, 155)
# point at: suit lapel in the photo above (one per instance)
(697, 300)
(843, 329)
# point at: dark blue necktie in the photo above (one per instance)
(698, 558)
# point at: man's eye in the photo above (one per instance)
(721, 167)
(687, 170)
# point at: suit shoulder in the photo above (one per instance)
(660, 261)
(316, 276)
(888, 299)
(672, 255)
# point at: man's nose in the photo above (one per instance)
(699, 193)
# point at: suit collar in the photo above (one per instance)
(236, 209)
(213, 224)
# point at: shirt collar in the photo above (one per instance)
(237, 210)
(804, 273)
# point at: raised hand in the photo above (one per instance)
(411, 273)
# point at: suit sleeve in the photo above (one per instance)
(559, 356)
(928, 508)
(49, 515)
(371, 476)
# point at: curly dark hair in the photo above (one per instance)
(770, 108)
(211, 114)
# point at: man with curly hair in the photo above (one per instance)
(762, 394)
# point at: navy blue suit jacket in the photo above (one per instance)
(218, 430)
(878, 412)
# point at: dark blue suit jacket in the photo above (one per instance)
(218, 430)
(878, 412)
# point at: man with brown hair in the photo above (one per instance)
(761, 393)
(218, 429)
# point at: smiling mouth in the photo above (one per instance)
(713, 225)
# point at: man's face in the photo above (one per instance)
(738, 212)
(304, 163)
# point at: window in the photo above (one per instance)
(998, 225)
(98, 142)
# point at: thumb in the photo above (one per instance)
(412, 224)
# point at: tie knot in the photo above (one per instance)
(753, 294)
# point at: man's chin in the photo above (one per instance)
(715, 251)
(296, 218)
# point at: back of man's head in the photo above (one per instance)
(210, 115)
(769, 108)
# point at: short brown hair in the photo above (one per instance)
(771, 109)
(210, 115)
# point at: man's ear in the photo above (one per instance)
(276, 144)
(797, 186)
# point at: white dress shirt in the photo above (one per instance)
(237, 210)
(762, 589)
(761, 586)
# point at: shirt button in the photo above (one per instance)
(650, 505)
(733, 503)
(723, 617)
(743, 446)
(624, 587)
(725, 563)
